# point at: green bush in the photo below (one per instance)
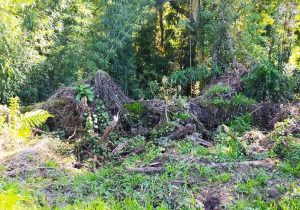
(266, 82)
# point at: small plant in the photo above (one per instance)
(18, 125)
(181, 115)
(222, 178)
(247, 187)
(288, 168)
(218, 90)
(50, 164)
(229, 148)
(260, 180)
(205, 171)
(162, 130)
(84, 91)
(200, 151)
(220, 102)
(136, 108)
(242, 100)
(242, 124)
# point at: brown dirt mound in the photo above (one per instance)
(27, 159)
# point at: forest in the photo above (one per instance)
(149, 104)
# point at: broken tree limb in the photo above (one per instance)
(201, 126)
(204, 143)
(182, 132)
(197, 138)
(74, 133)
(119, 148)
(146, 169)
(109, 129)
(136, 151)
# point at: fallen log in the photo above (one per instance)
(267, 163)
(182, 132)
(146, 169)
(119, 148)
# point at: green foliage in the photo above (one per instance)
(287, 147)
(205, 171)
(289, 167)
(51, 164)
(249, 186)
(20, 125)
(95, 122)
(190, 76)
(296, 76)
(228, 148)
(84, 91)
(218, 90)
(163, 130)
(268, 82)
(136, 108)
(242, 124)
(222, 178)
(242, 100)
(220, 102)
(222, 96)
(181, 115)
(12, 197)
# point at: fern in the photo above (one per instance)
(34, 118)
(14, 105)
(20, 125)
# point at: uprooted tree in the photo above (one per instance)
(142, 116)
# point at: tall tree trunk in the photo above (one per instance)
(161, 27)
(195, 10)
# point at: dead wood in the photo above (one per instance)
(137, 151)
(109, 129)
(267, 163)
(197, 138)
(119, 148)
(146, 169)
(182, 132)
(204, 143)
(201, 126)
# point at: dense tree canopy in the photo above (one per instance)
(46, 44)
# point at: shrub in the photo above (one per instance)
(266, 82)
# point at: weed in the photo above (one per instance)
(242, 124)
(221, 178)
(242, 100)
(136, 108)
(218, 89)
(205, 171)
